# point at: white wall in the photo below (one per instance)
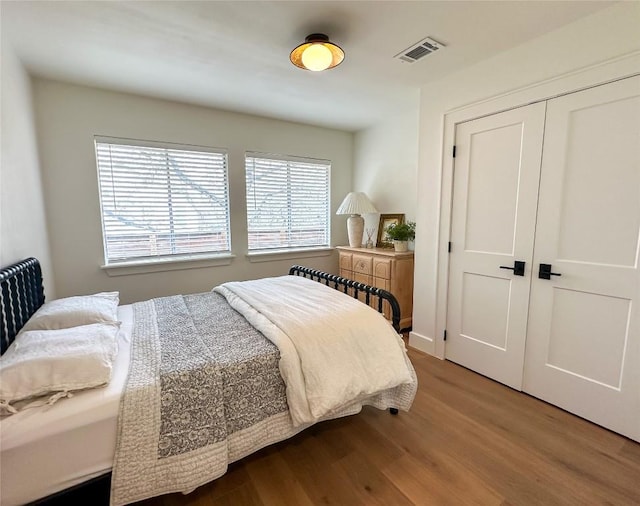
(68, 117)
(386, 165)
(23, 231)
(608, 34)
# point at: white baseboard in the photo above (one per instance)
(422, 343)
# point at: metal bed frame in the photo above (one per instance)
(372, 294)
(22, 293)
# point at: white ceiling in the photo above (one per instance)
(235, 54)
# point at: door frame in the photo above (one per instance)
(592, 76)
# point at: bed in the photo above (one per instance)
(43, 450)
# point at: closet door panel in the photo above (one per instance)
(599, 212)
(583, 340)
(495, 195)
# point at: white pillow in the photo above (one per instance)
(74, 311)
(43, 362)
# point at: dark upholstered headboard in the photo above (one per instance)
(21, 294)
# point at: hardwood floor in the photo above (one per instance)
(467, 440)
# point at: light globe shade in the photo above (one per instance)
(317, 53)
(355, 204)
(317, 57)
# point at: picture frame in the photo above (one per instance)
(386, 220)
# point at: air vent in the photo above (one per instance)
(419, 50)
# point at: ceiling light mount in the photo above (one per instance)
(317, 53)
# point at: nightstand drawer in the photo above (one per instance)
(345, 261)
(382, 268)
(362, 264)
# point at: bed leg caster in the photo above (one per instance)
(393, 411)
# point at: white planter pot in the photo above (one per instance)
(401, 246)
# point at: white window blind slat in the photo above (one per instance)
(161, 201)
(287, 202)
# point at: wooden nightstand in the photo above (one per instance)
(382, 268)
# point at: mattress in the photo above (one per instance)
(50, 448)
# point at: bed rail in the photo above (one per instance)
(354, 288)
(21, 294)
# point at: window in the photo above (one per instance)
(161, 201)
(287, 202)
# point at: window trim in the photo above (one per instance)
(168, 264)
(163, 262)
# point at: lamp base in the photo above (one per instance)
(355, 229)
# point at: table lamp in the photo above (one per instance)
(356, 204)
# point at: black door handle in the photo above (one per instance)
(545, 272)
(518, 268)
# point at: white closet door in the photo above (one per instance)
(583, 342)
(497, 170)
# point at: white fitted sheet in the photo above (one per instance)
(50, 448)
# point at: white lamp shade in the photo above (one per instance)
(356, 203)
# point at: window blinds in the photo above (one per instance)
(287, 202)
(159, 201)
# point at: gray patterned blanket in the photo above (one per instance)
(204, 389)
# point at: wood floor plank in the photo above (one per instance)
(243, 495)
(368, 481)
(565, 451)
(513, 470)
(466, 440)
(486, 462)
(506, 408)
(442, 481)
(275, 483)
(312, 463)
(631, 452)
(453, 478)
(569, 448)
(361, 435)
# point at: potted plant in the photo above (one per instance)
(401, 234)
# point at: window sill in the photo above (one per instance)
(170, 264)
(288, 254)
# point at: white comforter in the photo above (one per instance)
(334, 349)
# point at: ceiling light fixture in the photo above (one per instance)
(317, 53)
